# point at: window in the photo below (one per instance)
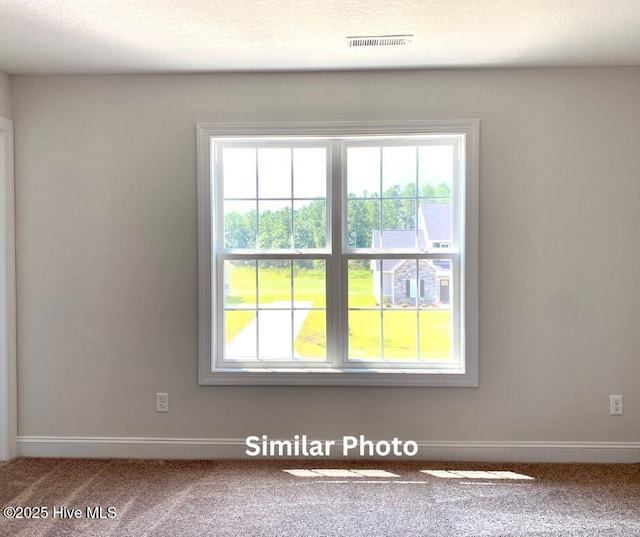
(412, 287)
(338, 254)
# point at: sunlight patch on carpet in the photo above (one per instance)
(340, 473)
(467, 474)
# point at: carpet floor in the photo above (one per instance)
(134, 498)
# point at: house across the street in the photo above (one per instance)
(405, 281)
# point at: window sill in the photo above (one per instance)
(335, 377)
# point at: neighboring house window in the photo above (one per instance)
(316, 253)
(411, 288)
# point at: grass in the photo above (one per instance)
(400, 334)
(311, 341)
(235, 321)
(399, 324)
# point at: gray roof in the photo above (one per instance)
(434, 222)
(437, 219)
(390, 265)
(394, 238)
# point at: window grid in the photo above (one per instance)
(418, 308)
(262, 307)
(260, 314)
(380, 197)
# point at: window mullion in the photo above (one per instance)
(418, 288)
(257, 310)
(336, 269)
(381, 201)
(257, 233)
(381, 332)
(293, 314)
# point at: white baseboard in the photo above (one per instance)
(210, 448)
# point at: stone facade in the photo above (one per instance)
(407, 271)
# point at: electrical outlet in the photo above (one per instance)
(615, 404)
(162, 402)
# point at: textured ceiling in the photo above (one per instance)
(123, 36)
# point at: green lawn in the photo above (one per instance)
(400, 325)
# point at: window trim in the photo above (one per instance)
(207, 375)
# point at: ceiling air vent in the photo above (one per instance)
(379, 40)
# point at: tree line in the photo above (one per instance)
(309, 221)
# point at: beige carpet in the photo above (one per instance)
(253, 498)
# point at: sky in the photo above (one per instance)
(302, 172)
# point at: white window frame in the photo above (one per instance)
(211, 373)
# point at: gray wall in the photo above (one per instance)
(107, 258)
(5, 96)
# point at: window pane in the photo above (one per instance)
(310, 172)
(363, 288)
(363, 218)
(435, 333)
(274, 224)
(435, 170)
(399, 167)
(309, 291)
(364, 310)
(274, 172)
(274, 335)
(309, 283)
(392, 286)
(405, 213)
(239, 224)
(435, 314)
(363, 172)
(445, 284)
(399, 220)
(239, 172)
(431, 272)
(310, 332)
(399, 326)
(435, 223)
(310, 224)
(240, 334)
(240, 314)
(274, 284)
(240, 284)
(364, 335)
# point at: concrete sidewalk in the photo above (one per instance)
(272, 330)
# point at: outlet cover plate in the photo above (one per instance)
(162, 402)
(615, 405)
